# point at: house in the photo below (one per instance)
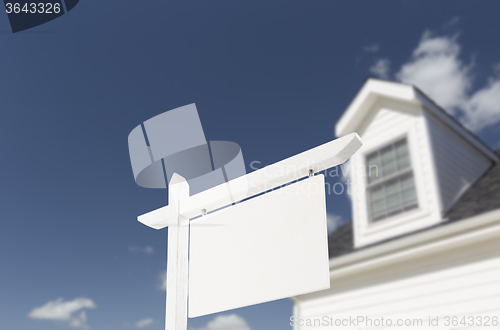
(423, 247)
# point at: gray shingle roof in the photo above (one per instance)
(483, 196)
(341, 241)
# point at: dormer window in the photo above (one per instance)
(391, 185)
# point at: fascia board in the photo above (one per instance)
(447, 120)
(370, 93)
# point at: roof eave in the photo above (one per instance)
(374, 89)
(478, 228)
(371, 91)
(439, 112)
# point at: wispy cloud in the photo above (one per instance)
(163, 280)
(496, 68)
(373, 48)
(146, 250)
(435, 67)
(139, 324)
(64, 312)
(451, 23)
(225, 322)
(144, 323)
(483, 108)
(381, 68)
(333, 221)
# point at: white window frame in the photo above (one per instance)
(370, 185)
(427, 214)
(375, 229)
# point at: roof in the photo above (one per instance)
(374, 89)
(341, 241)
(482, 197)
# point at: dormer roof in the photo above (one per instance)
(375, 89)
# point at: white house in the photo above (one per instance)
(423, 247)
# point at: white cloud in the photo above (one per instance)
(372, 48)
(435, 67)
(64, 312)
(496, 68)
(451, 23)
(144, 323)
(333, 221)
(163, 280)
(381, 68)
(146, 250)
(139, 324)
(226, 322)
(483, 108)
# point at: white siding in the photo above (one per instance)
(458, 164)
(386, 117)
(459, 282)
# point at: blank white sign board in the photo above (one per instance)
(270, 247)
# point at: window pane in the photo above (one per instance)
(394, 204)
(394, 201)
(407, 182)
(410, 200)
(378, 210)
(388, 157)
(393, 197)
(409, 192)
(392, 187)
(378, 203)
(388, 161)
(378, 194)
(373, 168)
(402, 155)
(396, 195)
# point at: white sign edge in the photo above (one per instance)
(317, 159)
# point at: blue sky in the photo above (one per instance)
(272, 76)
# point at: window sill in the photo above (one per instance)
(395, 221)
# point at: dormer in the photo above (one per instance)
(415, 163)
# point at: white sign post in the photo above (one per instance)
(269, 247)
(177, 256)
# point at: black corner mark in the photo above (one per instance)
(25, 14)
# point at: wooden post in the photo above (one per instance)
(177, 258)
